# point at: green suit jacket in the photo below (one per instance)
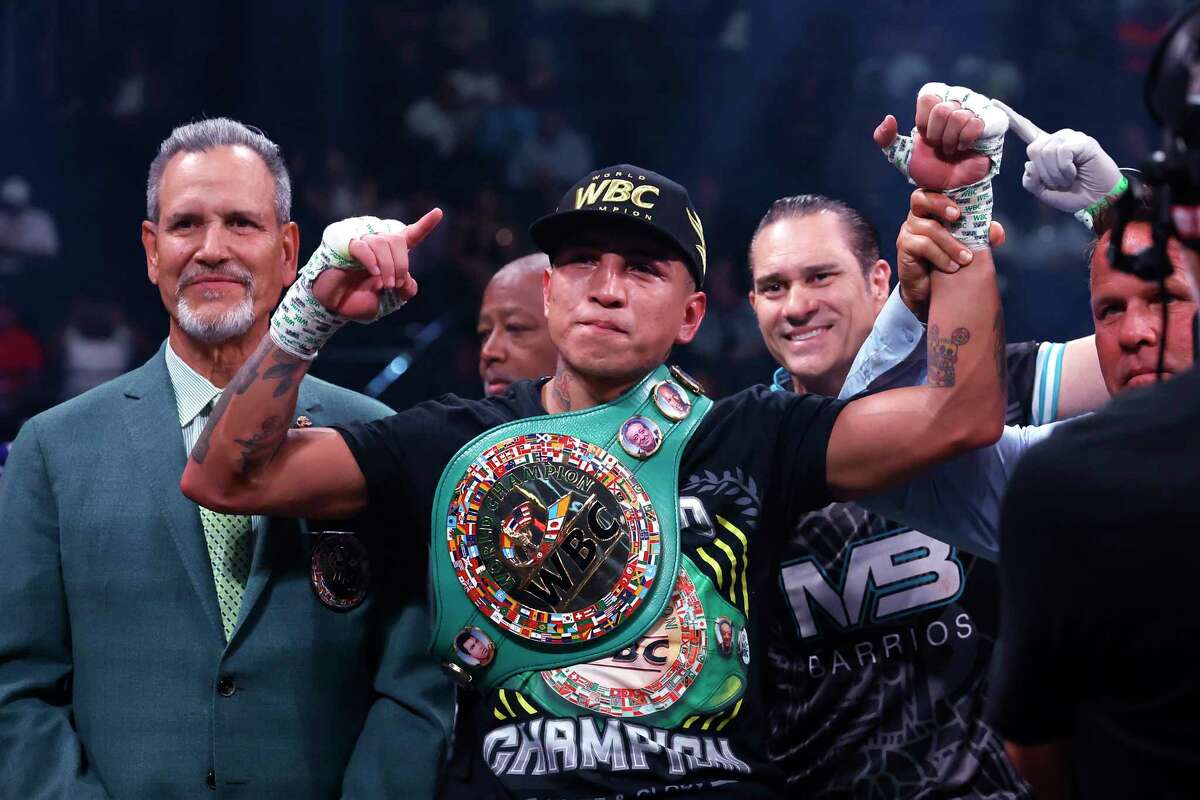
(111, 647)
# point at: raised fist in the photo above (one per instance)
(957, 140)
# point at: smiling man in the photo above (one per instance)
(818, 285)
(154, 648)
(607, 678)
(206, 275)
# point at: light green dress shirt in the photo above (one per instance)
(194, 399)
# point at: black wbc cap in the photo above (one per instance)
(632, 195)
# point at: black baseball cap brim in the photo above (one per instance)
(552, 231)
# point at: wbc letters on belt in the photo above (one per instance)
(552, 537)
(545, 544)
(551, 546)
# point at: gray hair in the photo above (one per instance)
(206, 134)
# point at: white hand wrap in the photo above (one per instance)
(301, 325)
(974, 201)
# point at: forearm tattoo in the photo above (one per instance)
(943, 355)
(243, 379)
(284, 371)
(259, 447)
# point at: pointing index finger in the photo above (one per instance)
(1021, 126)
(416, 232)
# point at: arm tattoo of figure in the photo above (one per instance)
(242, 381)
(1001, 351)
(258, 448)
(943, 355)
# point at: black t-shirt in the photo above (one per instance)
(753, 466)
(879, 649)
(1099, 633)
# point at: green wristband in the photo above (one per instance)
(1091, 214)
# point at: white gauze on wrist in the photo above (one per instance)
(974, 201)
(301, 325)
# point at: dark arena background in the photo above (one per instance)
(491, 110)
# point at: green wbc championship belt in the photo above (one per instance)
(555, 539)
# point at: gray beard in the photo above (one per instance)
(214, 328)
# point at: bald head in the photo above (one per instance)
(515, 342)
(526, 267)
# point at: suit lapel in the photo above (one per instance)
(152, 419)
(260, 567)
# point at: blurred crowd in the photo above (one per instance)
(490, 110)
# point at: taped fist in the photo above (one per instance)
(957, 141)
(955, 147)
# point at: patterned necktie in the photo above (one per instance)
(228, 539)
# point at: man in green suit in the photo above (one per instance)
(151, 648)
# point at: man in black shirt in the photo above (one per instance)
(1099, 642)
(523, 484)
(1096, 688)
(889, 701)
